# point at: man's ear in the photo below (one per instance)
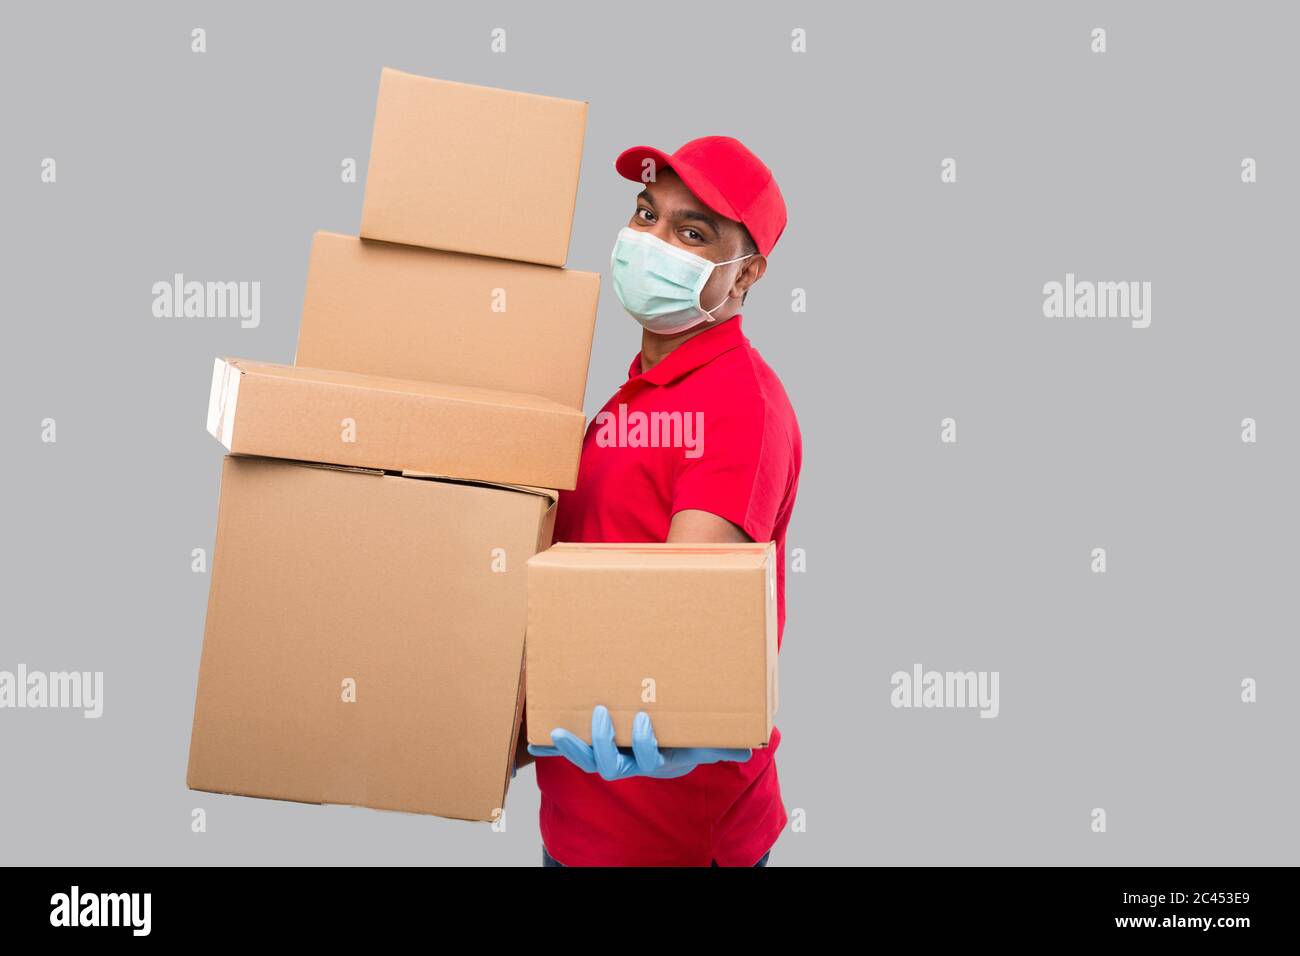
(753, 271)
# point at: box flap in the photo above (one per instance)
(549, 493)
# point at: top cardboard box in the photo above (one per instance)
(473, 169)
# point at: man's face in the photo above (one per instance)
(671, 212)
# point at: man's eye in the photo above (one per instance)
(645, 214)
(693, 235)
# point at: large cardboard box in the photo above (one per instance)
(343, 418)
(473, 169)
(686, 633)
(364, 639)
(402, 312)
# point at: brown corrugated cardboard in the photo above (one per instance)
(406, 592)
(344, 418)
(693, 626)
(473, 169)
(402, 312)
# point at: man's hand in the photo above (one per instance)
(645, 760)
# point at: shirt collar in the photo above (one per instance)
(694, 352)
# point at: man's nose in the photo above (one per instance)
(661, 230)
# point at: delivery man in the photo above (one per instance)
(705, 223)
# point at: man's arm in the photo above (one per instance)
(704, 527)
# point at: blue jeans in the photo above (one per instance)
(548, 860)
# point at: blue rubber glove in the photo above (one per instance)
(645, 760)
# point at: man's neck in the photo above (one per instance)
(655, 347)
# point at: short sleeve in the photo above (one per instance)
(741, 470)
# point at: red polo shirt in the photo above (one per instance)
(740, 461)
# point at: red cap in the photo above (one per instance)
(726, 177)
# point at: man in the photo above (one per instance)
(698, 240)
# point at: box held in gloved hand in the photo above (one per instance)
(685, 632)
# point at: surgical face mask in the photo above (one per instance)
(659, 284)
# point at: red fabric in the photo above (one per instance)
(726, 176)
(747, 472)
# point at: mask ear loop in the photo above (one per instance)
(709, 312)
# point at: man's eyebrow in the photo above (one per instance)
(696, 215)
(685, 215)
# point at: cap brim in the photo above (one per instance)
(630, 164)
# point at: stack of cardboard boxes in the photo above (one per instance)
(388, 502)
(364, 641)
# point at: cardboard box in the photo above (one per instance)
(411, 588)
(473, 169)
(402, 312)
(343, 418)
(699, 621)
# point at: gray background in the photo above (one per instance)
(1118, 691)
